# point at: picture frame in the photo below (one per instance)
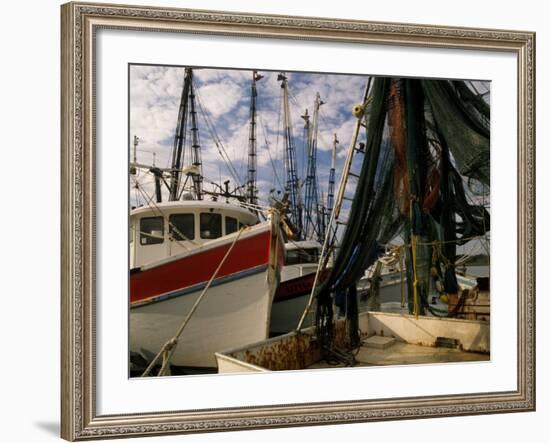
(79, 395)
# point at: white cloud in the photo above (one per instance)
(154, 100)
(220, 98)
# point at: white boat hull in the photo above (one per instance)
(229, 315)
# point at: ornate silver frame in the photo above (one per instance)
(79, 420)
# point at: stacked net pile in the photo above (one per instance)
(424, 140)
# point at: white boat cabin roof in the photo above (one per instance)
(174, 207)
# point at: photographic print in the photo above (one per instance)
(300, 220)
(252, 238)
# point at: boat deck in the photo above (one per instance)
(401, 353)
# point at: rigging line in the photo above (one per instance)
(299, 108)
(274, 169)
(323, 117)
(217, 141)
(439, 242)
(297, 104)
(243, 140)
(278, 132)
(294, 100)
(137, 197)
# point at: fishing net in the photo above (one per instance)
(424, 138)
(464, 123)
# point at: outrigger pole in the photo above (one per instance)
(334, 214)
(331, 177)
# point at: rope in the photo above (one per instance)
(401, 277)
(458, 240)
(169, 347)
(415, 276)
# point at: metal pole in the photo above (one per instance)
(333, 215)
(292, 180)
(196, 148)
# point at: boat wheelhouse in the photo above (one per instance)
(167, 229)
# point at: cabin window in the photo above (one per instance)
(231, 225)
(182, 227)
(297, 256)
(151, 230)
(211, 225)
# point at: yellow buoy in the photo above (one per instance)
(358, 111)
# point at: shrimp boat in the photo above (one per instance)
(176, 250)
(216, 256)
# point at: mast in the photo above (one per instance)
(252, 191)
(331, 177)
(313, 222)
(290, 163)
(318, 205)
(187, 109)
(195, 146)
(179, 139)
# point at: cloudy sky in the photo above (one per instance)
(224, 95)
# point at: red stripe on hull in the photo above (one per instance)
(198, 268)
